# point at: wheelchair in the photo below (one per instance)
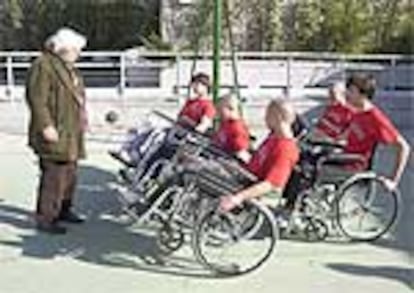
(359, 206)
(183, 204)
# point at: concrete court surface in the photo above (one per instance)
(108, 255)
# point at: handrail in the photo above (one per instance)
(242, 55)
(166, 70)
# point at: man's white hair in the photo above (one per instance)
(65, 38)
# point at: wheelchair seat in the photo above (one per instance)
(326, 147)
(341, 159)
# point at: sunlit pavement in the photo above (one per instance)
(108, 255)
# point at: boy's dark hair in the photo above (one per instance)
(201, 78)
(365, 83)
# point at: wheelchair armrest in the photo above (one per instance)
(341, 159)
(327, 144)
(216, 151)
(164, 116)
(184, 120)
(234, 166)
(183, 123)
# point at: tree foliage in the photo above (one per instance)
(350, 26)
(108, 24)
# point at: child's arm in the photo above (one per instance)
(229, 202)
(390, 135)
(275, 180)
(403, 152)
(204, 124)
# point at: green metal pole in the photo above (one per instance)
(217, 48)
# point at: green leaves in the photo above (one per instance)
(350, 26)
(108, 24)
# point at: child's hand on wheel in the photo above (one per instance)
(390, 184)
(229, 202)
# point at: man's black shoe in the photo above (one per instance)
(123, 173)
(71, 217)
(53, 229)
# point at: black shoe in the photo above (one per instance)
(125, 176)
(71, 217)
(53, 229)
(139, 208)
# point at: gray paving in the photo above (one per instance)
(107, 254)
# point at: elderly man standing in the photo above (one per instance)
(56, 99)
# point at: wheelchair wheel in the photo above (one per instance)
(169, 239)
(223, 244)
(249, 219)
(316, 230)
(365, 208)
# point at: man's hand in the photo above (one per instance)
(50, 134)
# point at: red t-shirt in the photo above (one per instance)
(196, 109)
(335, 119)
(365, 131)
(274, 160)
(232, 136)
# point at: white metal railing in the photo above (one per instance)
(170, 71)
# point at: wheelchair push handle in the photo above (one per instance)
(164, 116)
(341, 159)
(183, 124)
(236, 167)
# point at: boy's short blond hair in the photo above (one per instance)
(231, 99)
(337, 91)
(284, 109)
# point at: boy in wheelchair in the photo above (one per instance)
(367, 128)
(345, 139)
(232, 135)
(336, 116)
(197, 113)
(273, 161)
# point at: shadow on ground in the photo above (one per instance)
(105, 239)
(403, 275)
